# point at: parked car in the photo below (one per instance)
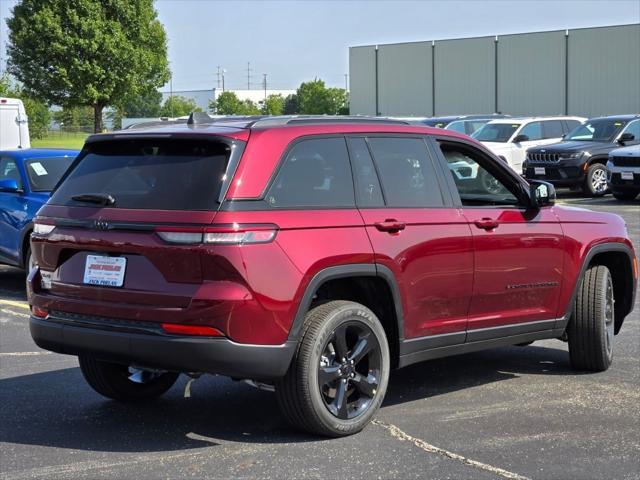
(26, 179)
(510, 138)
(14, 124)
(466, 124)
(623, 172)
(579, 161)
(311, 255)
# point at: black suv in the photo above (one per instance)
(580, 159)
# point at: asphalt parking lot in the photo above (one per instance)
(517, 412)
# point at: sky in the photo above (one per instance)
(294, 41)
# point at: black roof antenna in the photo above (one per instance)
(199, 117)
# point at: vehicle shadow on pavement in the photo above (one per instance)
(56, 408)
(12, 283)
(445, 375)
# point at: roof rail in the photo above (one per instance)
(202, 118)
(199, 118)
(315, 119)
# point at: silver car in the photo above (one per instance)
(623, 172)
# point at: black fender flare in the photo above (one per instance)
(593, 251)
(345, 271)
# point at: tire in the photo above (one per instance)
(315, 407)
(111, 380)
(28, 261)
(595, 184)
(625, 196)
(591, 328)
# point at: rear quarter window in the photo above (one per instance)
(158, 174)
(315, 173)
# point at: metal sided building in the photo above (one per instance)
(586, 71)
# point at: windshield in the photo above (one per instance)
(45, 173)
(148, 174)
(496, 132)
(603, 130)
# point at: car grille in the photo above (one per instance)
(626, 161)
(544, 157)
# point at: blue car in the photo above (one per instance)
(26, 180)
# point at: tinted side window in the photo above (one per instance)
(407, 172)
(315, 173)
(368, 191)
(553, 129)
(532, 130)
(476, 185)
(9, 171)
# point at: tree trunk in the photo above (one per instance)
(97, 118)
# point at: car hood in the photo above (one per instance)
(632, 151)
(496, 146)
(573, 146)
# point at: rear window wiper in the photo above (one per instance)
(99, 198)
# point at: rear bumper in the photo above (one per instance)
(119, 343)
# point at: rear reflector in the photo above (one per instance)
(43, 228)
(199, 330)
(39, 312)
(235, 234)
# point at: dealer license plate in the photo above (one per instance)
(626, 175)
(105, 271)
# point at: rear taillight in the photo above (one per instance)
(235, 234)
(41, 228)
(198, 330)
(39, 312)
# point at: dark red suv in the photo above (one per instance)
(312, 255)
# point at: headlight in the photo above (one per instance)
(570, 156)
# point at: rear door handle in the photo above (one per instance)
(487, 223)
(390, 225)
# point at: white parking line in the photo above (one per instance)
(23, 354)
(11, 312)
(427, 447)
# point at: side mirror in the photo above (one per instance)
(542, 194)
(521, 138)
(9, 185)
(626, 137)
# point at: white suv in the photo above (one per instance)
(509, 138)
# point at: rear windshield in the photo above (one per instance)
(45, 173)
(164, 174)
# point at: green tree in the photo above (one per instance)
(178, 106)
(74, 118)
(87, 52)
(291, 106)
(316, 99)
(273, 105)
(228, 103)
(144, 105)
(249, 108)
(37, 111)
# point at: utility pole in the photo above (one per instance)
(171, 93)
(218, 74)
(264, 83)
(346, 82)
(224, 70)
(248, 75)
